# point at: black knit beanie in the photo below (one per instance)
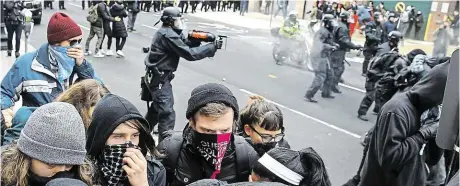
(211, 93)
(411, 55)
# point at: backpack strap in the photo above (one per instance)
(242, 158)
(174, 148)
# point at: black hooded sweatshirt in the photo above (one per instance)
(393, 158)
(108, 114)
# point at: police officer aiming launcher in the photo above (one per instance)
(168, 46)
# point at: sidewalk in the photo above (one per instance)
(255, 20)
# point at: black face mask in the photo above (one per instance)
(36, 180)
(262, 148)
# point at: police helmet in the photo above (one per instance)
(395, 36)
(391, 15)
(377, 14)
(328, 18)
(344, 14)
(293, 14)
(170, 14)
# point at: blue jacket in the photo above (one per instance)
(31, 77)
(19, 121)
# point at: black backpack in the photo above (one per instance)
(380, 64)
(242, 158)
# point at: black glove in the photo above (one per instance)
(429, 131)
(335, 47)
(219, 44)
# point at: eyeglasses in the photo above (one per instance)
(74, 42)
(266, 138)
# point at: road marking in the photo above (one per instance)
(151, 27)
(309, 117)
(272, 76)
(355, 59)
(84, 27)
(353, 88)
(79, 6)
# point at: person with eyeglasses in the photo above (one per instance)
(39, 77)
(261, 123)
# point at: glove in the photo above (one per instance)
(8, 115)
(219, 44)
(117, 19)
(358, 47)
(429, 131)
(334, 48)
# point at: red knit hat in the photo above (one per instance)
(61, 27)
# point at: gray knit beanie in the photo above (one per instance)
(66, 182)
(54, 134)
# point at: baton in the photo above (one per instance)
(346, 62)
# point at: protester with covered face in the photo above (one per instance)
(207, 148)
(47, 72)
(51, 145)
(397, 148)
(82, 95)
(119, 142)
(261, 123)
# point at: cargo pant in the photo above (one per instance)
(99, 32)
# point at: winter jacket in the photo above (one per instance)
(383, 48)
(168, 46)
(419, 20)
(19, 121)
(108, 114)
(394, 156)
(118, 27)
(363, 13)
(99, 21)
(389, 26)
(104, 13)
(31, 78)
(12, 13)
(190, 166)
(374, 37)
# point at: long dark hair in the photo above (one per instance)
(305, 162)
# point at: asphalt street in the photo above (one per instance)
(246, 66)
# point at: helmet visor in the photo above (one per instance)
(179, 23)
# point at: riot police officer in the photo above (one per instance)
(324, 45)
(167, 47)
(374, 37)
(392, 45)
(341, 37)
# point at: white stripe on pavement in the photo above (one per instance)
(151, 27)
(79, 6)
(84, 27)
(309, 117)
(352, 88)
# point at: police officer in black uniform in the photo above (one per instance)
(374, 37)
(324, 45)
(392, 45)
(168, 46)
(341, 37)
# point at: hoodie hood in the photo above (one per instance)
(109, 113)
(213, 182)
(429, 91)
(117, 7)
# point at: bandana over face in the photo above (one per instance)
(112, 162)
(212, 148)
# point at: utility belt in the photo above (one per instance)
(153, 80)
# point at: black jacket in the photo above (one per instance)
(108, 114)
(105, 17)
(323, 42)
(384, 48)
(342, 37)
(118, 27)
(12, 12)
(190, 166)
(374, 37)
(168, 46)
(393, 158)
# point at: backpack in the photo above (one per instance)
(242, 158)
(380, 64)
(92, 14)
